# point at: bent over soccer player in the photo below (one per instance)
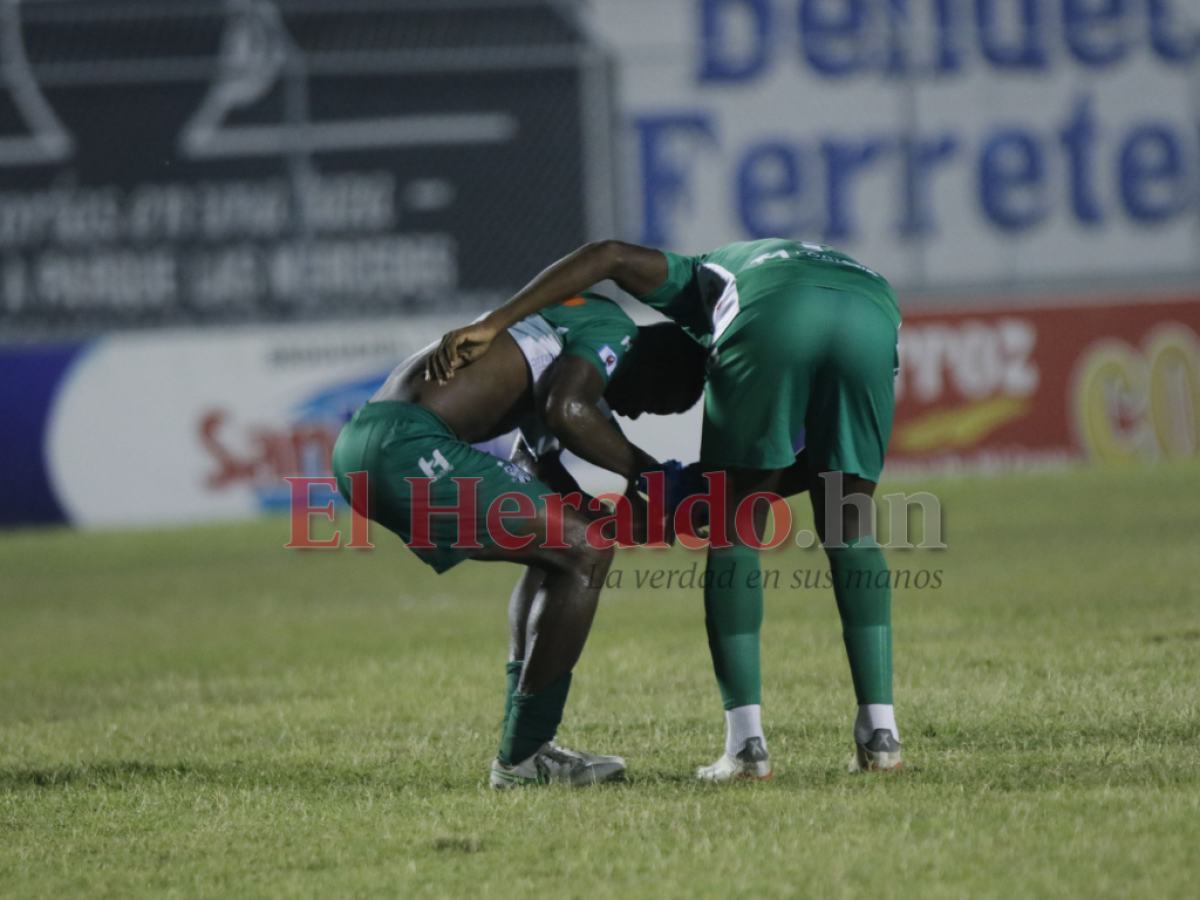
(802, 356)
(546, 374)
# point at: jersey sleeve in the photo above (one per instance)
(604, 338)
(678, 298)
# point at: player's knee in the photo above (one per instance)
(581, 554)
(595, 561)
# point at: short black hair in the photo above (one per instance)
(665, 360)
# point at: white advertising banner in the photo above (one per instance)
(185, 426)
(191, 425)
(947, 143)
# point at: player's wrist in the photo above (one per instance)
(642, 462)
(495, 322)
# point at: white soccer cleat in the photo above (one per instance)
(553, 764)
(750, 764)
(605, 768)
(880, 754)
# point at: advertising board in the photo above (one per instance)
(181, 426)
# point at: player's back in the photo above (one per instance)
(764, 266)
(482, 401)
(495, 394)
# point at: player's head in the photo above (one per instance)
(663, 373)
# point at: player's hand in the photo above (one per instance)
(679, 483)
(640, 517)
(459, 347)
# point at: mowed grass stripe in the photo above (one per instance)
(200, 713)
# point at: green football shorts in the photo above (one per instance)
(803, 367)
(393, 441)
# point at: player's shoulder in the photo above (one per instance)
(588, 309)
(750, 250)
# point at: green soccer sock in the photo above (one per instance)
(733, 607)
(513, 671)
(862, 585)
(533, 721)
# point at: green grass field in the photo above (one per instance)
(201, 713)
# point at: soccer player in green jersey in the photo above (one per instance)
(547, 375)
(800, 396)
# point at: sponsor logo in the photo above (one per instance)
(262, 457)
(969, 361)
(983, 368)
(609, 358)
(515, 472)
(1136, 404)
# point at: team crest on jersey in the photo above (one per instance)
(609, 357)
(515, 472)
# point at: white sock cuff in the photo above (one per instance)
(741, 724)
(873, 716)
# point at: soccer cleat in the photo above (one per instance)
(880, 754)
(517, 775)
(750, 764)
(557, 765)
(604, 768)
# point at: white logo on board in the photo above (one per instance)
(47, 141)
(257, 52)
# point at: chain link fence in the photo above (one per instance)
(204, 161)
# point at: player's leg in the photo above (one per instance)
(599, 767)
(754, 407)
(862, 586)
(398, 444)
(562, 607)
(848, 424)
(520, 604)
(557, 612)
(520, 608)
(733, 616)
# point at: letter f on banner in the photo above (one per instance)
(666, 152)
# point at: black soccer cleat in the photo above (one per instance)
(880, 754)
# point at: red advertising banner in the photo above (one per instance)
(1048, 385)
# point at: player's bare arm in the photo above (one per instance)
(549, 469)
(635, 269)
(567, 401)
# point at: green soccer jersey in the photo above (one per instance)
(589, 326)
(595, 328)
(803, 352)
(705, 293)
